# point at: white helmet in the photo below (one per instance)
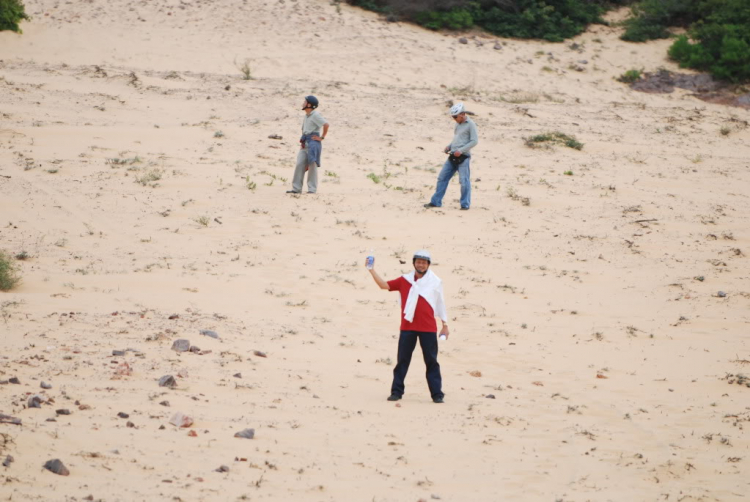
(422, 254)
(456, 109)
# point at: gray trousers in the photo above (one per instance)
(299, 173)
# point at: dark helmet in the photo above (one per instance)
(312, 100)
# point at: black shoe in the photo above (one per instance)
(464, 209)
(430, 204)
(438, 400)
(394, 397)
(292, 191)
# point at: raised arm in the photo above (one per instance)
(379, 280)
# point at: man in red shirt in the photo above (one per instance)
(421, 301)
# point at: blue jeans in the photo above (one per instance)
(464, 177)
(407, 342)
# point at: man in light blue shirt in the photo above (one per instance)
(465, 138)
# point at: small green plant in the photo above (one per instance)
(250, 184)
(23, 255)
(374, 177)
(630, 76)
(245, 70)
(556, 137)
(568, 173)
(149, 177)
(9, 277)
(725, 131)
(11, 12)
(218, 134)
(332, 174)
(203, 220)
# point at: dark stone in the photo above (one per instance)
(36, 401)
(63, 411)
(208, 332)
(246, 434)
(57, 467)
(8, 460)
(14, 380)
(123, 415)
(223, 468)
(164, 403)
(237, 375)
(181, 345)
(167, 381)
(721, 294)
(490, 396)
(45, 385)
(118, 352)
(463, 40)
(194, 349)
(130, 424)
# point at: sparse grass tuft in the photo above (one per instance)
(149, 177)
(203, 220)
(218, 134)
(543, 140)
(630, 76)
(9, 277)
(250, 184)
(568, 173)
(23, 255)
(725, 131)
(245, 70)
(374, 177)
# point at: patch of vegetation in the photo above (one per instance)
(374, 177)
(250, 184)
(9, 277)
(11, 12)
(552, 20)
(717, 39)
(245, 70)
(149, 177)
(203, 220)
(551, 138)
(630, 76)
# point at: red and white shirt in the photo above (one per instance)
(424, 316)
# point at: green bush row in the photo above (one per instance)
(552, 20)
(717, 39)
(11, 12)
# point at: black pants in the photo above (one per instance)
(406, 344)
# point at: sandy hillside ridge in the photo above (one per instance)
(590, 342)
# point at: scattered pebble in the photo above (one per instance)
(123, 415)
(181, 345)
(118, 352)
(275, 136)
(237, 375)
(463, 40)
(167, 381)
(164, 403)
(7, 419)
(490, 396)
(223, 468)
(45, 385)
(179, 419)
(194, 349)
(63, 411)
(14, 380)
(246, 434)
(130, 424)
(259, 353)
(193, 434)
(57, 467)
(721, 294)
(36, 401)
(9, 460)
(208, 332)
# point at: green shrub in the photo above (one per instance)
(719, 43)
(553, 20)
(650, 18)
(11, 12)
(630, 76)
(8, 272)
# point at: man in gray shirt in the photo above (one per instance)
(465, 138)
(308, 158)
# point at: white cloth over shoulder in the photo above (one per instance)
(429, 287)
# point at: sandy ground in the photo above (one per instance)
(590, 345)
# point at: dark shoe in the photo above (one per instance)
(311, 193)
(438, 400)
(292, 191)
(394, 397)
(464, 209)
(430, 204)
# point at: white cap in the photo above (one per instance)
(456, 109)
(423, 254)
